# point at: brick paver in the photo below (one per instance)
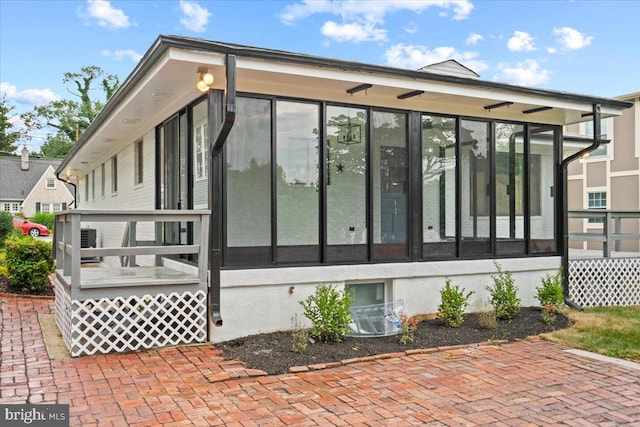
(528, 383)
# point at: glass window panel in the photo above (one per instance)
(297, 173)
(509, 180)
(366, 293)
(476, 171)
(346, 175)
(139, 163)
(389, 139)
(541, 189)
(114, 174)
(248, 176)
(597, 200)
(438, 178)
(102, 179)
(201, 156)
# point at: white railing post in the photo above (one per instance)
(76, 222)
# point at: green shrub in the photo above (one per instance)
(6, 226)
(453, 302)
(504, 294)
(409, 326)
(46, 219)
(29, 264)
(551, 291)
(300, 341)
(3, 264)
(328, 311)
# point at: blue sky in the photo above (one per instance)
(587, 47)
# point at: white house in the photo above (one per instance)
(29, 185)
(317, 170)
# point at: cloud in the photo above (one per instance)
(572, 39)
(414, 57)
(411, 28)
(29, 96)
(552, 50)
(521, 41)
(474, 38)
(120, 54)
(527, 73)
(363, 20)
(194, 17)
(353, 32)
(106, 15)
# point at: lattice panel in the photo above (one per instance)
(137, 322)
(63, 313)
(605, 282)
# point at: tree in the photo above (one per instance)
(9, 137)
(69, 117)
(56, 146)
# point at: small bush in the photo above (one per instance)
(46, 219)
(300, 339)
(29, 264)
(487, 319)
(485, 314)
(3, 264)
(453, 302)
(409, 326)
(549, 312)
(6, 226)
(551, 291)
(504, 295)
(328, 311)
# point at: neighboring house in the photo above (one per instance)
(29, 186)
(609, 177)
(385, 181)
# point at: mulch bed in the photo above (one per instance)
(273, 352)
(5, 288)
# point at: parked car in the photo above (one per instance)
(29, 227)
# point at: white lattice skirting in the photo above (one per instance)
(131, 323)
(605, 282)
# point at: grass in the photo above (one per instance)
(612, 331)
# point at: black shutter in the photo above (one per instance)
(64, 206)
(37, 207)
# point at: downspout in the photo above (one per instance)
(565, 203)
(75, 188)
(215, 188)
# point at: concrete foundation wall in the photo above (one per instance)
(258, 300)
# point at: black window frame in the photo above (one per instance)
(418, 250)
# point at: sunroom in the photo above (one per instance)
(315, 171)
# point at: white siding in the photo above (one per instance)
(129, 196)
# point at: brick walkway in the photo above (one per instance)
(526, 383)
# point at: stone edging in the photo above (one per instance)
(315, 367)
(236, 369)
(7, 294)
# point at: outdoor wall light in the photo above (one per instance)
(206, 80)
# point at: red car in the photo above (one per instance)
(30, 228)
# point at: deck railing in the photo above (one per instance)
(611, 236)
(106, 306)
(609, 275)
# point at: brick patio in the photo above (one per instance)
(522, 384)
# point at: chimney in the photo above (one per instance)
(24, 159)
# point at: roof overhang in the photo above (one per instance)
(164, 82)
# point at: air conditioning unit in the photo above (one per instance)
(88, 240)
